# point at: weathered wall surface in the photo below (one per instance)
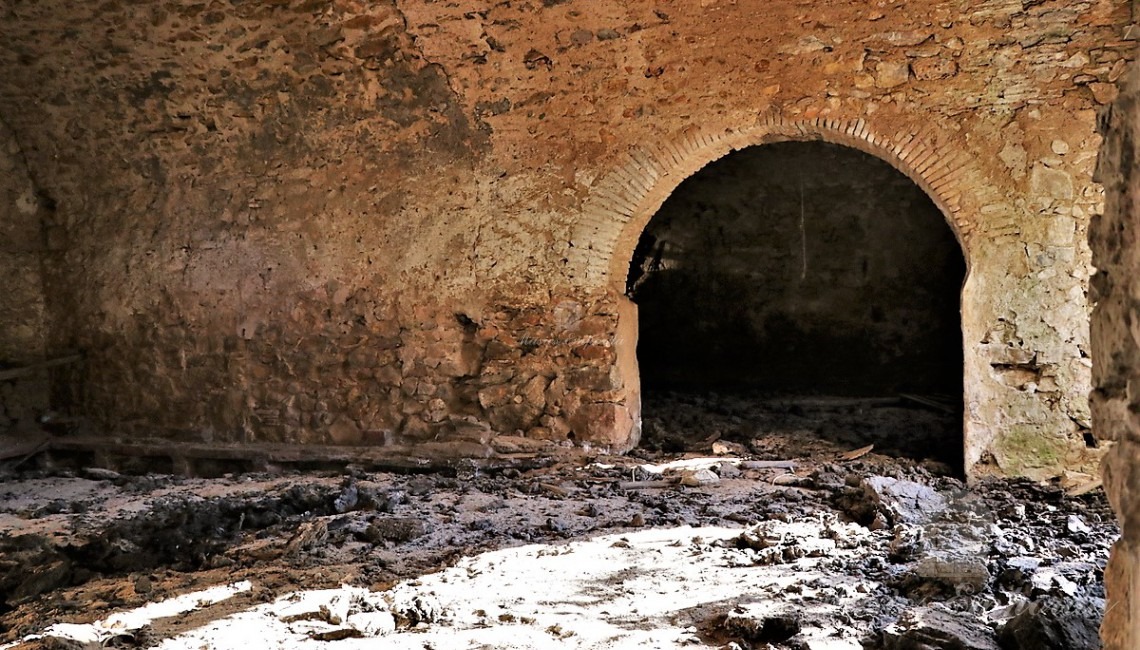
(1115, 240)
(22, 305)
(338, 221)
(800, 267)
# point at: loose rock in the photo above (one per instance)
(699, 478)
(879, 501)
(1055, 624)
(932, 628)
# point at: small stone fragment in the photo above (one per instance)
(897, 501)
(398, 529)
(309, 535)
(906, 544)
(1054, 623)
(1048, 581)
(699, 478)
(534, 59)
(1012, 511)
(414, 610)
(38, 580)
(967, 574)
(1018, 572)
(757, 538)
(760, 629)
(1103, 93)
(1059, 147)
(927, 628)
(1074, 524)
(347, 500)
(100, 474)
(728, 470)
(1052, 184)
(891, 73)
(581, 36)
(338, 634)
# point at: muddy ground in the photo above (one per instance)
(826, 545)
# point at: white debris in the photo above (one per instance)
(372, 623)
(126, 622)
(691, 464)
(613, 592)
(1075, 524)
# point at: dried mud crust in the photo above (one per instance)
(74, 548)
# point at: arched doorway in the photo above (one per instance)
(801, 286)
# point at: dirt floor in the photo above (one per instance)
(740, 523)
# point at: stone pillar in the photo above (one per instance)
(611, 418)
(625, 347)
(1115, 242)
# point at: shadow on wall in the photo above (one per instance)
(799, 267)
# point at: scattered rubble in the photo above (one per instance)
(792, 541)
(1070, 622)
(925, 628)
(880, 502)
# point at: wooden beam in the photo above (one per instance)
(393, 459)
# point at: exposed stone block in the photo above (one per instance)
(604, 424)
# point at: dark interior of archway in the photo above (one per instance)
(801, 294)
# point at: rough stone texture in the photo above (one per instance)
(337, 221)
(1055, 623)
(1116, 349)
(930, 627)
(22, 304)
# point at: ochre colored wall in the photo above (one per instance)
(395, 222)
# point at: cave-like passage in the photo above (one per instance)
(801, 287)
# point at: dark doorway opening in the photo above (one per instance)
(807, 289)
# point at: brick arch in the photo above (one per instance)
(622, 202)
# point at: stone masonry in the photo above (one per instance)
(407, 223)
(1116, 347)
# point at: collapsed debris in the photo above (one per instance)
(823, 548)
(934, 627)
(1069, 622)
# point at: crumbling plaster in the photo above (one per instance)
(405, 223)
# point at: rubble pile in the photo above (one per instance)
(827, 546)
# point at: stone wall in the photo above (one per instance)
(800, 267)
(346, 222)
(1115, 244)
(22, 306)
